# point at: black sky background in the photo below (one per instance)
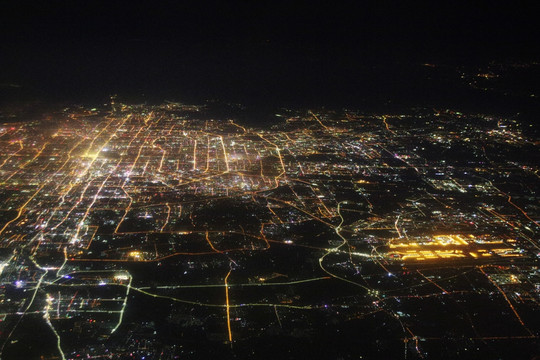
(274, 53)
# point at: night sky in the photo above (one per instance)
(254, 52)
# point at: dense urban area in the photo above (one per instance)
(171, 232)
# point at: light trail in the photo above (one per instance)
(272, 211)
(260, 163)
(224, 306)
(81, 197)
(337, 230)
(212, 245)
(319, 121)
(277, 316)
(46, 316)
(21, 209)
(195, 156)
(12, 154)
(295, 282)
(24, 165)
(72, 300)
(126, 210)
(522, 211)
(227, 304)
(238, 126)
(507, 300)
(225, 157)
(168, 216)
(297, 208)
(164, 153)
(387, 126)
(123, 304)
(95, 137)
(63, 264)
(137, 157)
(432, 282)
(81, 223)
(6, 263)
(396, 227)
(38, 285)
(207, 154)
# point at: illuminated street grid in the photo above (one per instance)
(413, 230)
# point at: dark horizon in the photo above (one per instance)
(272, 54)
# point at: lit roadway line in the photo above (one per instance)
(63, 264)
(231, 306)
(195, 155)
(288, 283)
(272, 211)
(521, 210)
(319, 121)
(145, 166)
(321, 259)
(424, 284)
(12, 154)
(151, 260)
(164, 152)
(136, 158)
(135, 137)
(211, 252)
(46, 316)
(123, 304)
(507, 300)
(535, 244)
(284, 171)
(38, 285)
(210, 243)
(298, 197)
(261, 231)
(72, 299)
(146, 120)
(81, 223)
(21, 209)
(247, 154)
(207, 153)
(297, 208)
(81, 197)
(396, 227)
(386, 125)
(71, 185)
(6, 263)
(95, 137)
(318, 198)
(433, 282)
(238, 126)
(26, 163)
(510, 201)
(224, 153)
(126, 210)
(277, 316)
(95, 156)
(168, 216)
(374, 249)
(227, 303)
(260, 163)
(437, 200)
(194, 180)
